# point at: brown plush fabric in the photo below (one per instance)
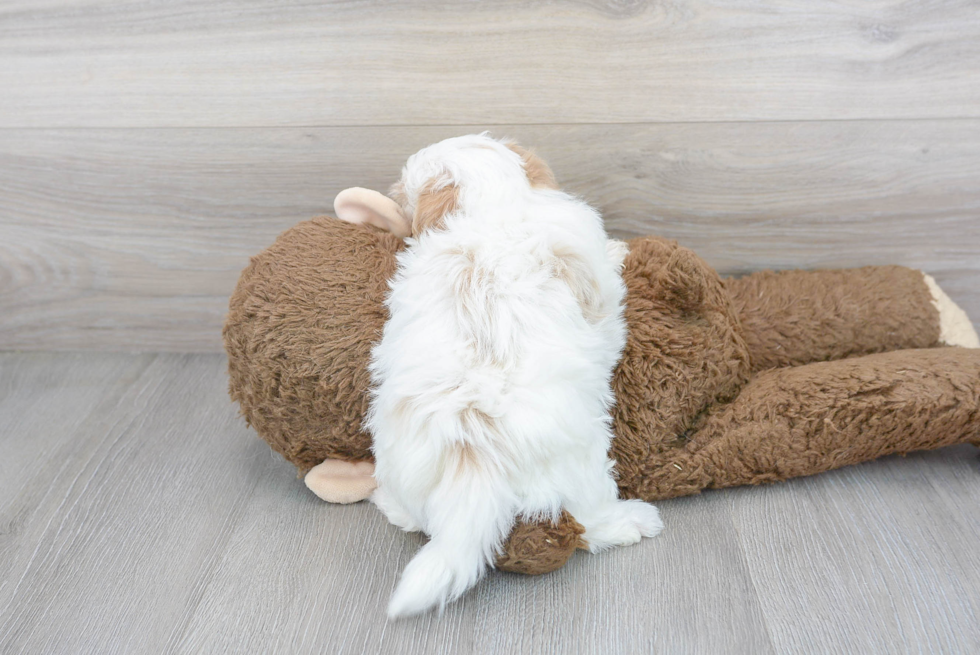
(684, 353)
(802, 420)
(689, 415)
(299, 331)
(541, 547)
(792, 318)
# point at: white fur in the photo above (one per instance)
(491, 385)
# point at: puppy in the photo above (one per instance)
(491, 382)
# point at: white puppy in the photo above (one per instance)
(491, 383)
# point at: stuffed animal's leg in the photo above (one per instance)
(467, 517)
(798, 421)
(793, 318)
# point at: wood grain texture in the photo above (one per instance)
(326, 578)
(68, 391)
(149, 519)
(898, 541)
(115, 532)
(229, 63)
(133, 239)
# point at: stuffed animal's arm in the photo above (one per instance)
(792, 318)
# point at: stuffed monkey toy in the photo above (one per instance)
(723, 382)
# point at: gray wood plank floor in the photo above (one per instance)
(139, 514)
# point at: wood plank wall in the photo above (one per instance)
(147, 149)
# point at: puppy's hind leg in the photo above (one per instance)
(467, 517)
(609, 521)
(394, 511)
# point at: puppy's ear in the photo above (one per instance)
(357, 205)
(433, 204)
(539, 174)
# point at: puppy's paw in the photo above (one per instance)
(625, 523)
(430, 580)
(645, 517)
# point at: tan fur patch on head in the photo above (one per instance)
(432, 206)
(539, 174)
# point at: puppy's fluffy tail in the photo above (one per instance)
(433, 578)
(468, 516)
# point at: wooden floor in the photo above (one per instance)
(139, 514)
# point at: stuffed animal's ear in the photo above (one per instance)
(337, 481)
(357, 205)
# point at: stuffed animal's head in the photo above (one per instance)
(299, 332)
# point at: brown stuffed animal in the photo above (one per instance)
(722, 382)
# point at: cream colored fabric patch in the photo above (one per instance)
(955, 328)
(336, 481)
